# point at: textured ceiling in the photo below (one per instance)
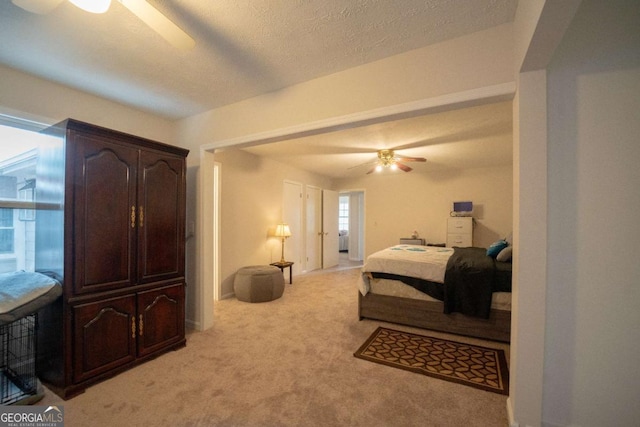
(243, 48)
(451, 141)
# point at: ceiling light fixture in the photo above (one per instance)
(386, 159)
(93, 6)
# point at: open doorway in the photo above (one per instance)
(351, 228)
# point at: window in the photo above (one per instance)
(27, 193)
(6, 231)
(18, 156)
(343, 213)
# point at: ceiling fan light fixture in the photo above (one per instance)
(378, 168)
(93, 6)
(393, 166)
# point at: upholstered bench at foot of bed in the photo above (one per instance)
(258, 283)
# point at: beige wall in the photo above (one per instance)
(28, 97)
(398, 203)
(475, 61)
(251, 206)
(591, 347)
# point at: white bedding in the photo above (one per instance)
(423, 262)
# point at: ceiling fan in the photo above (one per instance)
(387, 159)
(141, 8)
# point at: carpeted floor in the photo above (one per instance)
(287, 362)
(476, 366)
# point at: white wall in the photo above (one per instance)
(474, 61)
(591, 350)
(251, 206)
(29, 97)
(398, 203)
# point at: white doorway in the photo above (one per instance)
(314, 228)
(329, 228)
(351, 218)
(292, 215)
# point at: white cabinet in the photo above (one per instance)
(460, 231)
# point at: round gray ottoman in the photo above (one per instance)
(258, 283)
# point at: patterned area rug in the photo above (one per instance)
(472, 365)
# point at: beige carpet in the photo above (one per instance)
(287, 362)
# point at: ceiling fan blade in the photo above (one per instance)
(363, 164)
(403, 167)
(37, 6)
(372, 170)
(160, 23)
(412, 159)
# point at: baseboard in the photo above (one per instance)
(512, 422)
(192, 324)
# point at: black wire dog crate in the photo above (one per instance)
(18, 380)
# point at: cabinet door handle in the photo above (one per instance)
(133, 216)
(133, 327)
(141, 216)
(141, 325)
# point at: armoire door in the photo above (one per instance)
(104, 212)
(161, 221)
(160, 318)
(104, 336)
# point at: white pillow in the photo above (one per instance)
(505, 254)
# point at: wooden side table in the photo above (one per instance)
(282, 266)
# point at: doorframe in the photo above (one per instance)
(316, 214)
(299, 264)
(208, 279)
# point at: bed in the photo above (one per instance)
(455, 290)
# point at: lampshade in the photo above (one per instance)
(93, 6)
(282, 230)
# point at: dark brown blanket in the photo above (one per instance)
(468, 282)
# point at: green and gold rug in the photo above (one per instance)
(481, 367)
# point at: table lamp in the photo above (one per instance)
(283, 231)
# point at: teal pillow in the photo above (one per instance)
(496, 247)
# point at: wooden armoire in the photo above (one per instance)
(111, 227)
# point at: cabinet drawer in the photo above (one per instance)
(460, 225)
(461, 240)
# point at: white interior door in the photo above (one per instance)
(330, 244)
(356, 226)
(314, 228)
(292, 215)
